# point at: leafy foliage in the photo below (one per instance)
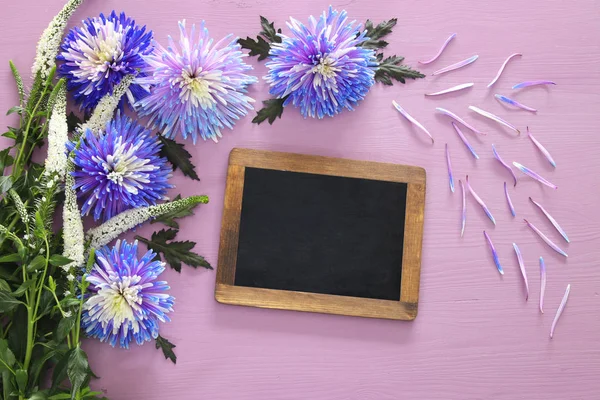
(391, 68)
(261, 45)
(169, 219)
(175, 253)
(273, 109)
(167, 348)
(376, 33)
(178, 156)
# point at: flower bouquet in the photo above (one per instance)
(58, 281)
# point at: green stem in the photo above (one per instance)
(30, 328)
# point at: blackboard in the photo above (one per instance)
(321, 234)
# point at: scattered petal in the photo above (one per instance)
(541, 148)
(561, 307)
(458, 119)
(464, 208)
(439, 53)
(532, 83)
(497, 156)
(510, 204)
(457, 65)
(522, 268)
(452, 89)
(534, 175)
(515, 103)
(494, 253)
(411, 119)
(551, 219)
(542, 284)
(449, 169)
(481, 203)
(546, 239)
(494, 118)
(465, 141)
(502, 68)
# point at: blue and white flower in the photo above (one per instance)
(100, 54)
(321, 68)
(126, 301)
(198, 88)
(120, 169)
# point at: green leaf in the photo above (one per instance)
(23, 288)
(167, 348)
(91, 260)
(7, 358)
(38, 363)
(73, 121)
(60, 396)
(258, 47)
(58, 260)
(18, 81)
(59, 374)
(178, 156)
(269, 31)
(51, 284)
(78, 370)
(170, 217)
(375, 34)
(10, 258)
(8, 302)
(21, 377)
(7, 385)
(64, 327)
(273, 108)
(39, 396)
(4, 286)
(5, 184)
(16, 109)
(37, 263)
(174, 253)
(10, 134)
(390, 68)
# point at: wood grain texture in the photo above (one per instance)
(476, 338)
(225, 290)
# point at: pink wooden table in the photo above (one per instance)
(475, 336)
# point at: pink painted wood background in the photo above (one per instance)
(475, 336)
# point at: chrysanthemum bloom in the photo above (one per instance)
(321, 67)
(98, 55)
(119, 169)
(198, 88)
(126, 302)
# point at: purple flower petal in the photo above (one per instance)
(522, 268)
(494, 118)
(559, 312)
(494, 253)
(458, 119)
(452, 89)
(532, 83)
(542, 284)
(505, 165)
(457, 65)
(480, 202)
(546, 239)
(464, 208)
(502, 68)
(451, 178)
(510, 204)
(541, 148)
(551, 219)
(515, 103)
(534, 175)
(465, 141)
(441, 50)
(411, 119)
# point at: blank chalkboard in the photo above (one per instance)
(321, 234)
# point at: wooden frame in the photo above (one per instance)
(225, 289)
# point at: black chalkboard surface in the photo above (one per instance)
(321, 234)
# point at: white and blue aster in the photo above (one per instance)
(98, 55)
(126, 301)
(119, 169)
(321, 68)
